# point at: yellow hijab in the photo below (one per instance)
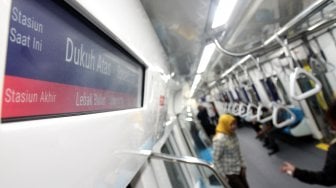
(224, 124)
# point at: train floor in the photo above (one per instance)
(263, 171)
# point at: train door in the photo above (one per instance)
(318, 104)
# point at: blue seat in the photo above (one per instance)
(299, 115)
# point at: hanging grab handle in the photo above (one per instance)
(242, 109)
(276, 110)
(235, 109)
(225, 107)
(228, 107)
(260, 113)
(294, 76)
(321, 66)
(231, 109)
(250, 116)
(286, 50)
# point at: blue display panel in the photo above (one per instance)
(59, 63)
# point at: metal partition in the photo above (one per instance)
(191, 161)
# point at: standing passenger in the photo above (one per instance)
(214, 114)
(327, 176)
(227, 156)
(204, 118)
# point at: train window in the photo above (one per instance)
(283, 94)
(270, 89)
(58, 64)
(233, 95)
(243, 95)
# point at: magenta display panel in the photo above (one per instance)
(58, 63)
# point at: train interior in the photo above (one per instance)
(106, 94)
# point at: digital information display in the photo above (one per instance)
(60, 64)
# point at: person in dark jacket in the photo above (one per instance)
(205, 121)
(327, 176)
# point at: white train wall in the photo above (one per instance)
(89, 150)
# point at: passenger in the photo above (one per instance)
(327, 176)
(214, 115)
(227, 156)
(268, 134)
(255, 126)
(252, 123)
(204, 118)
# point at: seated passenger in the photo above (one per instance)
(327, 176)
(227, 156)
(269, 133)
(255, 126)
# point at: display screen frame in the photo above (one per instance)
(11, 109)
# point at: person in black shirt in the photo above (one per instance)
(205, 121)
(327, 176)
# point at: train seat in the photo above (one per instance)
(299, 127)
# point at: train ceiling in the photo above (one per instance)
(184, 28)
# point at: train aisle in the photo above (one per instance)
(263, 171)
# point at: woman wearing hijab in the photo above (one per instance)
(327, 176)
(227, 156)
